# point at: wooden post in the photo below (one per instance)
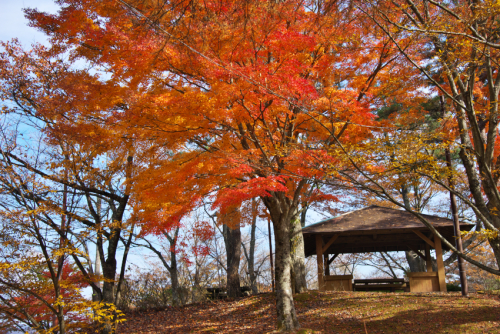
(440, 264)
(319, 255)
(428, 259)
(326, 264)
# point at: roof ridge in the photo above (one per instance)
(377, 219)
(343, 214)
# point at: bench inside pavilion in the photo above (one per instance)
(379, 229)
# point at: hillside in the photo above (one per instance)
(329, 312)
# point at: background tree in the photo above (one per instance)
(39, 285)
(462, 38)
(168, 256)
(231, 231)
(63, 108)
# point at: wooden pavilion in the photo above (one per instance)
(379, 229)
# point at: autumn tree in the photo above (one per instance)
(45, 260)
(61, 106)
(479, 280)
(39, 284)
(198, 267)
(454, 45)
(168, 256)
(229, 224)
(251, 99)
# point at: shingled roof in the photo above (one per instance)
(376, 229)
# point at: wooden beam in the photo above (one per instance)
(330, 242)
(421, 235)
(417, 252)
(440, 264)
(428, 259)
(319, 256)
(333, 258)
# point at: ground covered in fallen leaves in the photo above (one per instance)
(329, 312)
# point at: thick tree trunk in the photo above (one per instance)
(232, 239)
(415, 262)
(297, 255)
(109, 272)
(287, 318)
(281, 209)
(172, 269)
(175, 279)
(108, 293)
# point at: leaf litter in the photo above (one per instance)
(328, 312)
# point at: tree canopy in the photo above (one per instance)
(153, 107)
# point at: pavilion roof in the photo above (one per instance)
(376, 229)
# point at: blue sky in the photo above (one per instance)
(14, 25)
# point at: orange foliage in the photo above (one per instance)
(233, 99)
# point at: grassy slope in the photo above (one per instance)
(330, 312)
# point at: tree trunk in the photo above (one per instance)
(62, 324)
(303, 214)
(196, 287)
(281, 209)
(109, 275)
(175, 279)
(109, 272)
(97, 273)
(297, 255)
(287, 318)
(172, 269)
(251, 260)
(108, 293)
(232, 239)
(250, 255)
(415, 262)
(495, 245)
(477, 187)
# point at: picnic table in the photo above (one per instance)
(216, 293)
(220, 293)
(375, 284)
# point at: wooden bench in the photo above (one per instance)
(424, 282)
(377, 284)
(337, 283)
